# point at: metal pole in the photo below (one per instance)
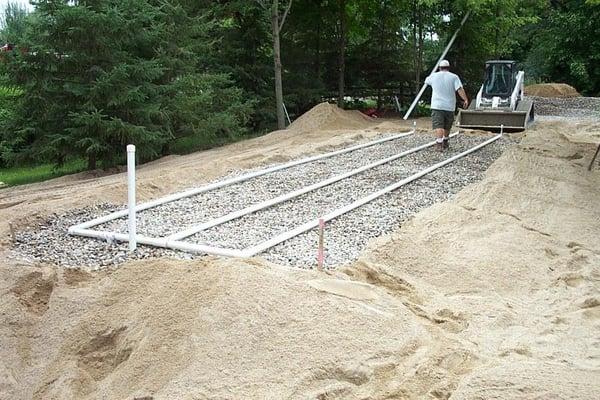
(286, 114)
(450, 43)
(397, 103)
(131, 195)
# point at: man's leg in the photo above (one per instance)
(446, 141)
(437, 123)
(448, 121)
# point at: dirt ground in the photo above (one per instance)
(493, 295)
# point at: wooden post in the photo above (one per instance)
(594, 158)
(13, 234)
(321, 251)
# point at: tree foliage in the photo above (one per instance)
(87, 77)
(565, 45)
(132, 81)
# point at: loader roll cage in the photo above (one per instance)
(500, 78)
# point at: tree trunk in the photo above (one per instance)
(91, 162)
(277, 61)
(342, 51)
(318, 51)
(418, 43)
(496, 55)
(417, 82)
(421, 35)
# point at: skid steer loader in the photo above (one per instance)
(500, 101)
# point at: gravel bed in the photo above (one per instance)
(571, 107)
(49, 242)
(178, 215)
(265, 224)
(346, 236)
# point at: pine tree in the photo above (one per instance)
(100, 74)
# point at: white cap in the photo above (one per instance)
(444, 63)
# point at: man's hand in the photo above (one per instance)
(463, 96)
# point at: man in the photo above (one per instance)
(444, 85)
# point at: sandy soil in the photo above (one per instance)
(495, 294)
(551, 90)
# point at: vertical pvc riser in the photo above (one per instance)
(131, 195)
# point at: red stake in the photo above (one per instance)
(321, 252)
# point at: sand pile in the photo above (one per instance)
(494, 295)
(327, 116)
(188, 330)
(515, 261)
(551, 90)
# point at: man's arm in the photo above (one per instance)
(463, 96)
(428, 80)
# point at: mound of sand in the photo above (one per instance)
(491, 295)
(514, 262)
(551, 90)
(327, 116)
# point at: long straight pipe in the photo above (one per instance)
(288, 196)
(253, 250)
(158, 242)
(231, 181)
(450, 43)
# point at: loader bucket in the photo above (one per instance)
(488, 119)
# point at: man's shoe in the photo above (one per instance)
(446, 144)
(439, 146)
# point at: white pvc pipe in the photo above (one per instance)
(131, 195)
(253, 250)
(158, 242)
(231, 181)
(450, 43)
(288, 196)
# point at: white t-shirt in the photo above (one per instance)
(444, 85)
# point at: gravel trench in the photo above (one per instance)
(178, 215)
(346, 236)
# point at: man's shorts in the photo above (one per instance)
(441, 119)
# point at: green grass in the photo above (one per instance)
(38, 173)
(22, 175)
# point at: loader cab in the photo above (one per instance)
(500, 77)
